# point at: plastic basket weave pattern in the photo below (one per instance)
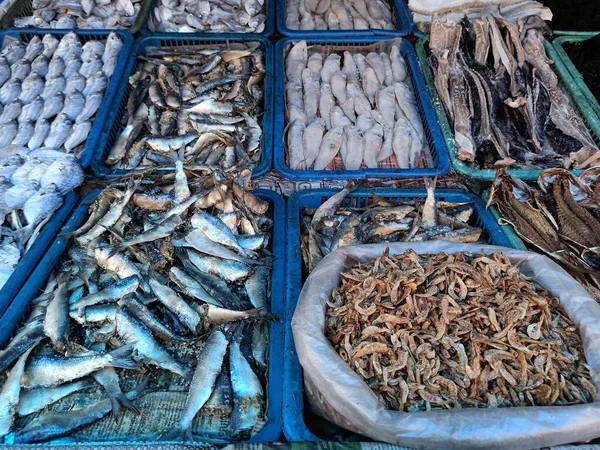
(461, 167)
(433, 134)
(114, 126)
(294, 426)
(272, 430)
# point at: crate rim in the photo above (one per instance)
(570, 67)
(294, 426)
(279, 122)
(401, 12)
(102, 171)
(458, 165)
(272, 429)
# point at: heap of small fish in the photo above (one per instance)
(82, 14)
(361, 107)
(456, 331)
(159, 276)
(332, 225)
(502, 97)
(339, 15)
(193, 16)
(50, 91)
(562, 221)
(196, 104)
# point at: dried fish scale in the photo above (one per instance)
(507, 345)
(201, 104)
(351, 108)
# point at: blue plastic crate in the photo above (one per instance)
(404, 25)
(271, 432)
(433, 133)
(267, 32)
(294, 426)
(34, 254)
(26, 34)
(113, 123)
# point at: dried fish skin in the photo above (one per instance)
(503, 98)
(425, 331)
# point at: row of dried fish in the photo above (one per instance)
(195, 104)
(455, 331)
(562, 220)
(158, 276)
(193, 16)
(82, 14)
(351, 109)
(50, 91)
(339, 15)
(502, 97)
(333, 225)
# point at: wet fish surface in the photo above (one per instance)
(128, 304)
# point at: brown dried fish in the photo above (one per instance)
(456, 330)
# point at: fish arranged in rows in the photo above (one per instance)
(462, 330)
(502, 97)
(167, 278)
(186, 16)
(197, 105)
(82, 14)
(50, 91)
(332, 225)
(561, 220)
(351, 110)
(339, 15)
(32, 186)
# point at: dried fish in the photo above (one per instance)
(347, 116)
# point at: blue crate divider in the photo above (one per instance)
(403, 16)
(91, 145)
(271, 432)
(294, 426)
(433, 133)
(113, 124)
(28, 263)
(267, 32)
